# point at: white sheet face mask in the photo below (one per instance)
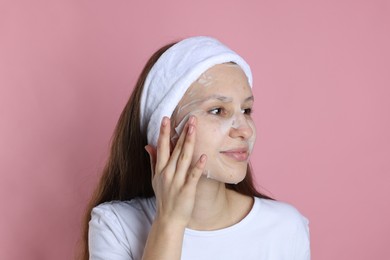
(206, 79)
(221, 101)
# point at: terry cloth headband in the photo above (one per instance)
(174, 72)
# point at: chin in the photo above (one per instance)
(235, 179)
(228, 177)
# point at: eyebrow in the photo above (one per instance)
(225, 99)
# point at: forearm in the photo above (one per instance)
(174, 183)
(164, 242)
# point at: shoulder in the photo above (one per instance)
(285, 223)
(120, 228)
(280, 213)
(279, 208)
(135, 208)
(130, 218)
(120, 207)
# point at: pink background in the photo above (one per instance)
(322, 88)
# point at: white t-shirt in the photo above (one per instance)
(272, 230)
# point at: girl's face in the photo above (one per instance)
(222, 100)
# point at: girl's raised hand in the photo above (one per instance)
(174, 180)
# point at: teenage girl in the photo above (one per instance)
(177, 184)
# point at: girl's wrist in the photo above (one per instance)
(169, 224)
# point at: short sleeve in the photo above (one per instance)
(106, 237)
(302, 241)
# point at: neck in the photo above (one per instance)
(217, 207)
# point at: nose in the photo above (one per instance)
(241, 127)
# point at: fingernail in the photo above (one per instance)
(203, 158)
(190, 129)
(164, 121)
(192, 119)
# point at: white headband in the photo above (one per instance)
(173, 74)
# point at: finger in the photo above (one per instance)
(195, 173)
(185, 157)
(171, 166)
(163, 145)
(152, 157)
(179, 144)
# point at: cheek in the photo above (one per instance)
(252, 139)
(203, 134)
(206, 136)
(253, 127)
(214, 127)
(211, 132)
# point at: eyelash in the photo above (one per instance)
(248, 111)
(219, 110)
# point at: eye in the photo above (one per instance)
(216, 111)
(247, 111)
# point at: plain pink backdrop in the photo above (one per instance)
(321, 83)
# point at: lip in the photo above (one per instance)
(240, 154)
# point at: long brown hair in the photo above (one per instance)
(127, 173)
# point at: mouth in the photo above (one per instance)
(240, 155)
